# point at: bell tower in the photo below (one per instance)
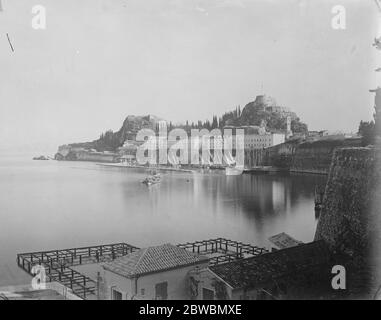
(377, 110)
(289, 131)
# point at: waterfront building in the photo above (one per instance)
(282, 274)
(257, 137)
(73, 153)
(262, 141)
(214, 269)
(154, 273)
(127, 152)
(255, 141)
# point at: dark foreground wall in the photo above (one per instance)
(350, 220)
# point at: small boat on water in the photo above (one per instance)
(152, 179)
(233, 171)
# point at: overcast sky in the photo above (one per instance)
(101, 60)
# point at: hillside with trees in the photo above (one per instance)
(252, 114)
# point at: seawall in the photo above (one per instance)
(304, 157)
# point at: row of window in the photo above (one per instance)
(252, 145)
(161, 293)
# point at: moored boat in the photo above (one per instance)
(233, 171)
(152, 179)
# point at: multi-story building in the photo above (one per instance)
(261, 141)
(256, 137)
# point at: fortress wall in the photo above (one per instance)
(306, 157)
(350, 219)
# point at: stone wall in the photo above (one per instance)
(254, 158)
(278, 156)
(281, 155)
(305, 157)
(316, 156)
(350, 219)
(348, 198)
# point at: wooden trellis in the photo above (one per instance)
(227, 250)
(58, 264)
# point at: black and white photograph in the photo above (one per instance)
(191, 150)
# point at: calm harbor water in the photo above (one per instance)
(50, 205)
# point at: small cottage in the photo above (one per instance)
(154, 273)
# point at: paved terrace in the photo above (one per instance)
(60, 265)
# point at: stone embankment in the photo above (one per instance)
(303, 157)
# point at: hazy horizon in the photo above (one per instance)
(101, 60)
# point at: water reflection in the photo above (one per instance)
(53, 205)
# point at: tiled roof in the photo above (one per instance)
(153, 259)
(266, 267)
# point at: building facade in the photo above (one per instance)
(256, 137)
(261, 141)
(290, 273)
(154, 273)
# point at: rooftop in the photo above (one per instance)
(270, 266)
(153, 259)
(283, 241)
